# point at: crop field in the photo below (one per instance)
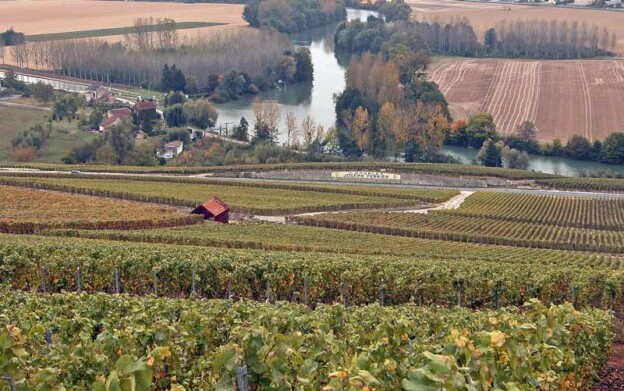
(563, 98)
(301, 238)
(112, 31)
(473, 229)
(243, 199)
(51, 264)
(554, 210)
(27, 211)
(484, 15)
(62, 16)
(588, 184)
(199, 345)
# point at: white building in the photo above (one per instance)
(174, 147)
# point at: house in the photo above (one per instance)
(216, 209)
(146, 110)
(116, 117)
(98, 92)
(174, 147)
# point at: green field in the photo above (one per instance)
(12, 121)
(113, 31)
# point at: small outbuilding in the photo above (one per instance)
(216, 209)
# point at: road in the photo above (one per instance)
(514, 190)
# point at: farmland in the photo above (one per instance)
(25, 211)
(485, 15)
(455, 280)
(563, 98)
(244, 199)
(308, 346)
(63, 16)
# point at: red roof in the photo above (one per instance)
(110, 121)
(145, 105)
(123, 113)
(216, 207)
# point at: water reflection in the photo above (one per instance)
(547, 164)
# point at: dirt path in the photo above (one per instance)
(453, 203)
(612, 377)
(23, 106)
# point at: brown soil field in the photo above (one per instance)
(56, 16)
(563, 98)
(486, 15)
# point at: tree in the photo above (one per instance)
(490, 154)
(578, 147)
(143, 155)
(121, 139)
(389, 126)
(96, 117)
(267, 120)
(480, 128)
(179, 134)
(395, 10)
(358, 126)
(241, 131)
(2, 45)
(174, 97)
(422, 130)
(175, 116)
(43, 92)
(491, 40)
(201, 113)
(512, 158)
(613, 149)
(305, 68)
(172, 79)
(527, 132)
(292, 130)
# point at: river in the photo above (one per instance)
(302, 99)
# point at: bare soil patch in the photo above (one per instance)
(59, 16)
(563, 98)
(486, 15)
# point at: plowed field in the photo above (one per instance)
(563, 98)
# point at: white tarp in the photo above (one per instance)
(365, 175)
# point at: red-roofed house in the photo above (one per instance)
(146, 110)
(216, 209)
(116, 117)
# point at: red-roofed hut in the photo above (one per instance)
(216, 209)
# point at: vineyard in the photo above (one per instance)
(109, 283)
(472, 229)
(55, 264)
(594, 213)
(425, 195)
(301, 238)
(70, 341)
(416, 168)
(28, 211)
(589, 184)
(243, 199)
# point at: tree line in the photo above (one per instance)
(289, 16)
(540, 39)
(480, 132)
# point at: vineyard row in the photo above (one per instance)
(79, 342)
(56, 264)
(471, 230)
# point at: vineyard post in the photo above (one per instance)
(242, 381)
(459, 285)
(381, 293)
(117, 290)
(48, 336)
(155, 283)
(229, 289)
(343, 289)
(268, 291)
(9, 380)
(193, 281)
(572, 294)
(305, 291)
(43, 279)
(78, 280)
